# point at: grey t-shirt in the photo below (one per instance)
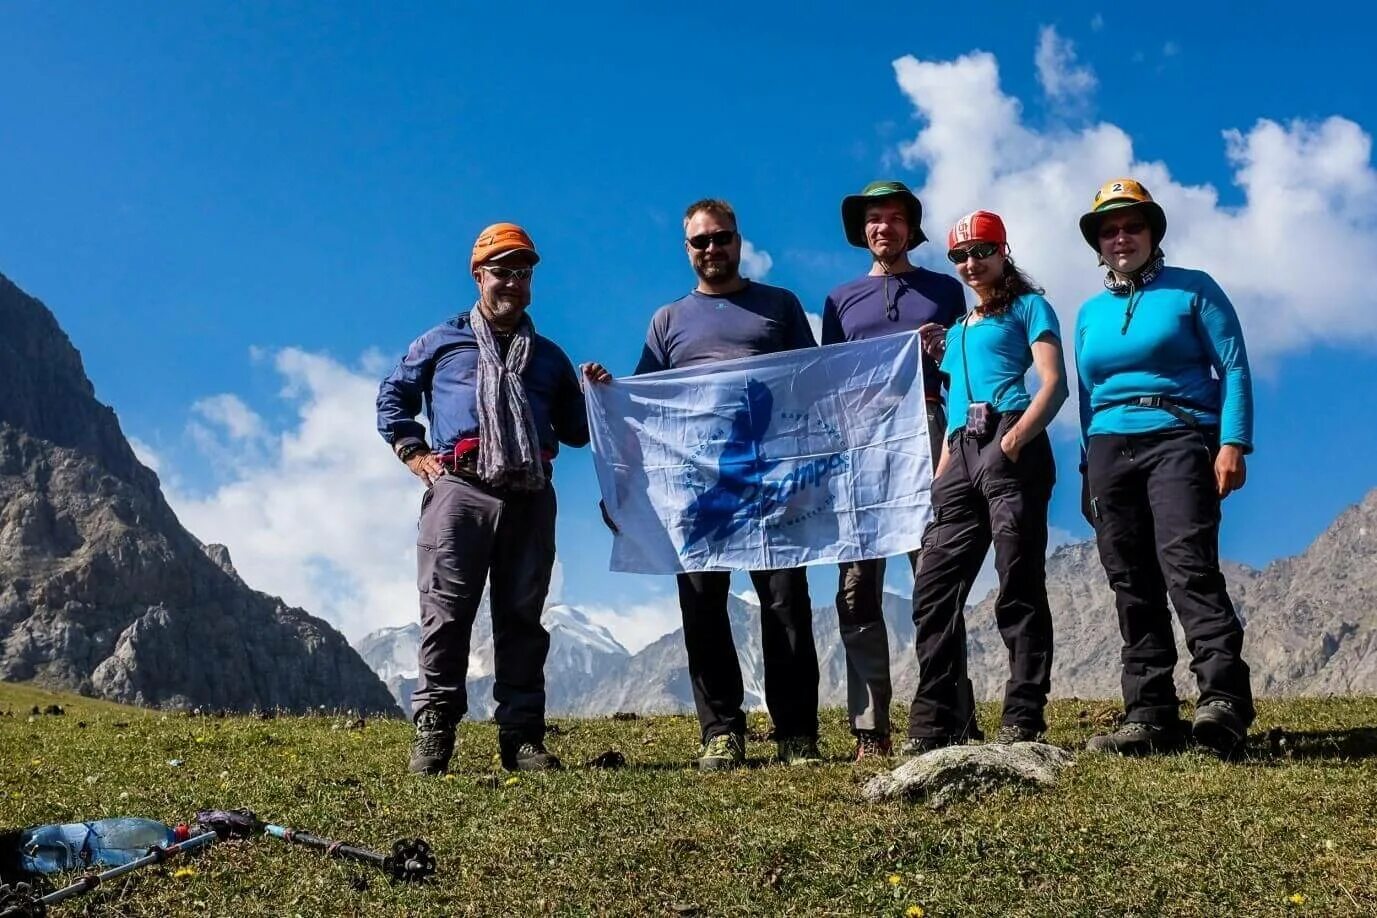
(704, 328)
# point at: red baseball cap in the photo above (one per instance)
(980, 226)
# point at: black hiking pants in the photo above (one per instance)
(787, 649)
(469, 535)
(983, 497)
(1156, 514)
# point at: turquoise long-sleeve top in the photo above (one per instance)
(1179, 338)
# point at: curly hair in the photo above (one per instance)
(1013, 283)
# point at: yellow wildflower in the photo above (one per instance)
(513, 780)
(1296, 899)
(185, 872)
(895, 879)
(914, 911)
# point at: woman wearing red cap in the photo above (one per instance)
(993, 483)
(1166, 418)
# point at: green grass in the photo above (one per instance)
(1184, 835)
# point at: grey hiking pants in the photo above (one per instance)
(860, 616)
(470, 534)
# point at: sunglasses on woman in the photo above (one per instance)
(978, 250)
(1133, 228)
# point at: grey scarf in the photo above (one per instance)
(508, 446)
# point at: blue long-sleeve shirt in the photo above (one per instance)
(440, 374)
(1183, 342)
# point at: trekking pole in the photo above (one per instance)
(22, 904)
(410, 861)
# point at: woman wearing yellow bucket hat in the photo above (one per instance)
(1166, 413)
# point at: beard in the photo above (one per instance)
(505, 308)
(724, 269)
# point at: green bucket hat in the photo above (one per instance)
(854, 205)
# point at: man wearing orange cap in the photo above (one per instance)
(499, 400)
(894, 296)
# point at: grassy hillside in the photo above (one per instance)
(1279, 834)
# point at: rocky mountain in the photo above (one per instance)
(1311, 629)
(101, 589)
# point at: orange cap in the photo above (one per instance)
(498, 240)
(980, 226)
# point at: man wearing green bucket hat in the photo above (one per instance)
(893, 296)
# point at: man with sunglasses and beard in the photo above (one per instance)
(894, 296)
(727, 316)
(499, 400)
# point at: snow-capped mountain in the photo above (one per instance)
(582, 654)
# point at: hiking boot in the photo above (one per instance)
(1219, 728)
(917, 745)
(526, 755)
(871, 744)
(1136, 739)
(798, 750)
(722, 752)
(434, 743)
(1012, 733)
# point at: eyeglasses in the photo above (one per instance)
(720, 239)
(503, 273)
(977, 250)
(1133, 228)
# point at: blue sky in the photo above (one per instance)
(242, 213)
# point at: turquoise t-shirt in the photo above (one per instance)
(1183, 341)
(999, 351)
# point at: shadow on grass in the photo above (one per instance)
(1350, 745)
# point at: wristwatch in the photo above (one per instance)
(411, 449)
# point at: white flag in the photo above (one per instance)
(805, 457)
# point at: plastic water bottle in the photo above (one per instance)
(103, 843)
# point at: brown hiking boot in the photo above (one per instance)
(871, 744)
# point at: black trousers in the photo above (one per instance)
(860, 617)
(786, 632)
(469, 535)
(1156, 513)
(981, 498)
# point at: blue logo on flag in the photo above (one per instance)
(741, 493)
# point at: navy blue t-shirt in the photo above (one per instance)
(704, 328)
(856, 310)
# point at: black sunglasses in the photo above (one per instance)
(720, 238)
(978, 250)
(504, 273)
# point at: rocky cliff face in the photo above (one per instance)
(101, 589)
(1311, 629)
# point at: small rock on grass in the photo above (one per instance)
(945, 776)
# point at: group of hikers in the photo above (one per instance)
(1165, 418)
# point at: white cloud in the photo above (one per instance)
(1309, 190)
(230, 414)
(1062, 80)
(755, 263)
(320, 514)
(815, 323)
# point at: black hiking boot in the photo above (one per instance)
(520, 754)
(1013, 733)
(1138, 739)
(917, 745)
(433, 745)
(1218, 727)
